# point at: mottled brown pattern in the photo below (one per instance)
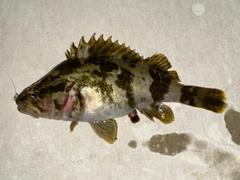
(60, 88)
(132, 65)
(108, 66)
(188, 94)
(57, 85)
(68, 66)
(124, 82)
(106, 90)
(105, 66)
(101, 74)
(159, 86)
(99, 83)
(207, 98)
(58, 105)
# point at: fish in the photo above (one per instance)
(101, 80)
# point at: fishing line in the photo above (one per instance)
(16, 94)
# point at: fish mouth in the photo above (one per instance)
(31, 111)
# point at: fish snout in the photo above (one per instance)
(27, 108)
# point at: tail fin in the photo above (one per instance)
(206, 98)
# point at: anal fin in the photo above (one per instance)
(106, 130)
(159, 111)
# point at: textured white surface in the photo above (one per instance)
(201, 40)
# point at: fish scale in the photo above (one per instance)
(102, 80)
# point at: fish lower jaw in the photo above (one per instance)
(30, 112)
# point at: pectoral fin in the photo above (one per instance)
(73, 124)
(159, 111)
(106, 130)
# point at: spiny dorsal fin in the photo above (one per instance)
(102, 48)
(113, 50)
(160, 62)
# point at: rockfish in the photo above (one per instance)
(102, 80)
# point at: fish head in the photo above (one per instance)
(29, 102)
(44, 98)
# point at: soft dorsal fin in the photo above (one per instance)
(160, 62)
(102, 49)
(173, 74)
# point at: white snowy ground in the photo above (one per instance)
(200, 38)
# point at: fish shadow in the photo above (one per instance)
(168, 144)
(174, 143)
(232, 120)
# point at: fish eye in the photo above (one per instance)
(33, 96)
(32, 93)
